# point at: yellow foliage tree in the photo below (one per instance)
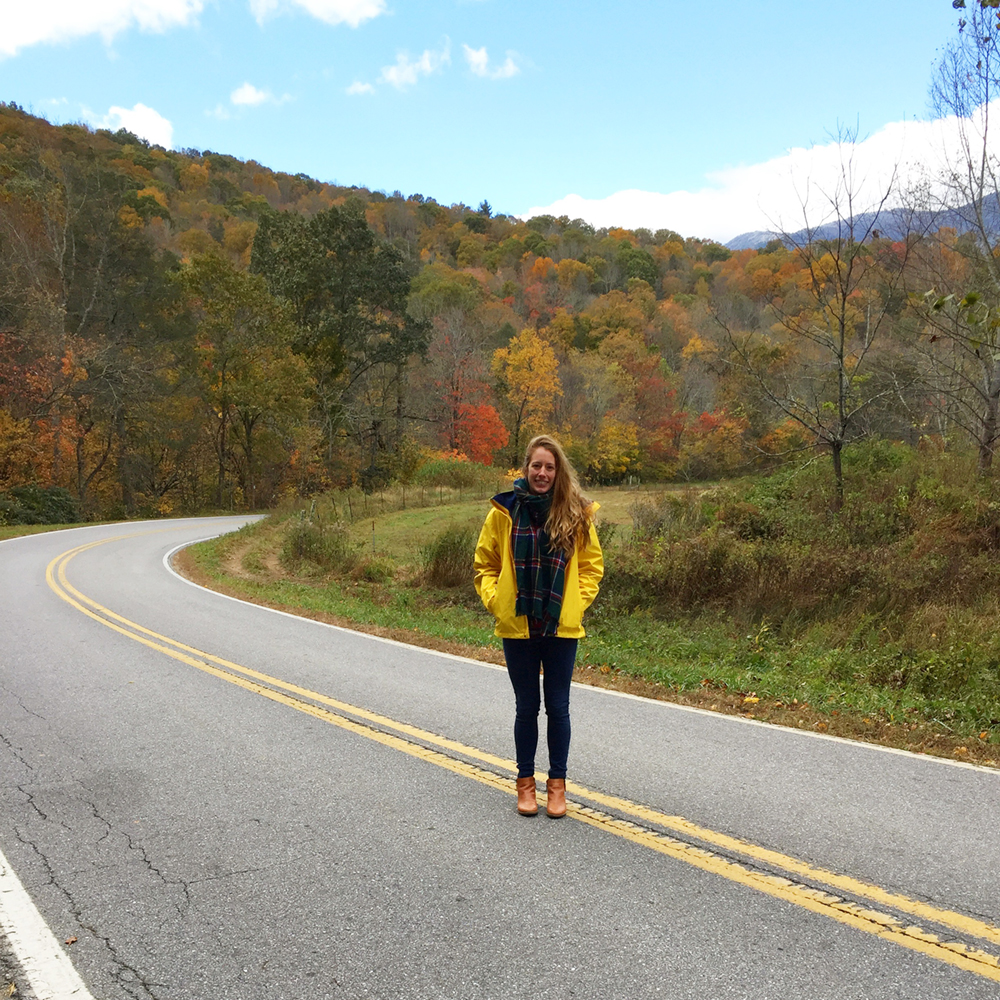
(543, 267)
(561, 329)
(575, 274)
(614, 452)
(632, 311)
(528, 372)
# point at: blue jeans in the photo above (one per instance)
(525, 658)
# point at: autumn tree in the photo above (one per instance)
(244, 365)
(465, 326)
(527, 373)
(596, 415)
(88, 301)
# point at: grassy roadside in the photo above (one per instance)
(17, 530)
(703, 660)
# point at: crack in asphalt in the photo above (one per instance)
(224, 875)
(42, 815)
(123, 974)
(15, 752)
(27, 711)
(137, 848)
(19, 701)
(127, 977)
(130, 979)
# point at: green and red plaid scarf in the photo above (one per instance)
(540, 571)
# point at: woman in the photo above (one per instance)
(538, 564)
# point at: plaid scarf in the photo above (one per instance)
(540, 571)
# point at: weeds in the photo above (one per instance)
(896, 595)
(325, 543)
(448, 558)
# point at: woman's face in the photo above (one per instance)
(541, 470)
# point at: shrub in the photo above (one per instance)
(448, 558)
(668, 516)
(374, 478)
(749, 521)
(38, 505)
(327, 545)
(376, 569)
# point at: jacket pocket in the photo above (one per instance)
(571, 615)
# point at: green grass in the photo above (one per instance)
(402, 534)
(379, 604)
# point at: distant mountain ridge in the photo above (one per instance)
(892, 223)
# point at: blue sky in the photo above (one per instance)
(519, 103)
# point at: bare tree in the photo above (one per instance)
(823, 363)
(962, 312)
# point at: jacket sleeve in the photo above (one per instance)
(488, 560)
(590, 566)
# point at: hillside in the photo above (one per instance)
(182, 330)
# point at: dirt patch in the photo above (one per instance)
(232, 564)
(913, 736)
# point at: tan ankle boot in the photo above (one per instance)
(555, 790)
(526, 804)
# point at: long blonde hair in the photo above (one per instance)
(569, 516)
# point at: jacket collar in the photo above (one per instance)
(505, 502)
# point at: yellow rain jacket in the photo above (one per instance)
(496, 580)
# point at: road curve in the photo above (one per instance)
(220, 801)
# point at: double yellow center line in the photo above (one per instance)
(861, 905)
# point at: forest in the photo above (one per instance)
(183, 331)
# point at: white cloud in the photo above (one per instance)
(479, 63)
(245, 96)
(507, 69)
(350, 12)
(779, 194)
(360, 88)
(407, 71)
(144, 122)
(249, 94)
(26, 24)
(477, 59)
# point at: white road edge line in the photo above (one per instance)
(584, 687)
(46, 966)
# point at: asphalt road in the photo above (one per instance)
(219, 801)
